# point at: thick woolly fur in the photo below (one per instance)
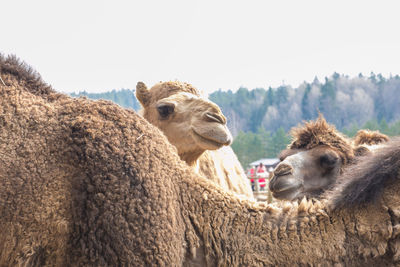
(367, 137)
(365, 181)
(319, 132)
(87, 183)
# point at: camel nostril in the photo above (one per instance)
(283, 169)
(214, 118)
(228, 141)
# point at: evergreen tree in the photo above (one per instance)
(279, 142)
(328, 90)
(327, 103)
(259, 113)
(248, 147)
(281, 95)
(394, 129)
(383, 126)
(124, 97)
(371, 125)
(305, 105)
(372, 77)
(335, 76)
(352, 130)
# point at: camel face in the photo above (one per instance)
(305, 172)
(312, 162)
(191, 123)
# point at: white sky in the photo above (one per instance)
(102, 45)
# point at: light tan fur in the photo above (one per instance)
(218, 163)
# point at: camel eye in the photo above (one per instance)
(328, 160)
(165, 110)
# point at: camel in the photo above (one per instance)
(316, 157)
(78, 187)
(370, 138)
(366, 141)
(197, 128)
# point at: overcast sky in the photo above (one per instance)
(102, 45)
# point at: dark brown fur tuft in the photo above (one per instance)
(367, 137)
(13, 70)
(364, 182)
(319, 132)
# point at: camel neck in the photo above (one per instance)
(191, 157)
(235, 233)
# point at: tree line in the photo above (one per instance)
(251, 146)
(124, 97)
(260, 119)
(344, 101)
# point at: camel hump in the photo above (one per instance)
(16, 73)
(365, 181)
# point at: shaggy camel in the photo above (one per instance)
(78, 187)
(316, 157)
(370, 138)
(197, 127)
(366, 141)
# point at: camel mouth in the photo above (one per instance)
(283, 186)
(288, 193)
(209, 143)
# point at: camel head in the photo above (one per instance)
(366, 141)
(312, 162)
(367, 137)
(192, 123)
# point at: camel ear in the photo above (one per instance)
(142, 94)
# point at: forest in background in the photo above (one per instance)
(124, 97)
(260, 119)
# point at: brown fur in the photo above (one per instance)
(69, 171)
(85, 183)
(365, 181)
(316, 157)
(25, 76)
(319, 132)
(361, 151)
(370, 138)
